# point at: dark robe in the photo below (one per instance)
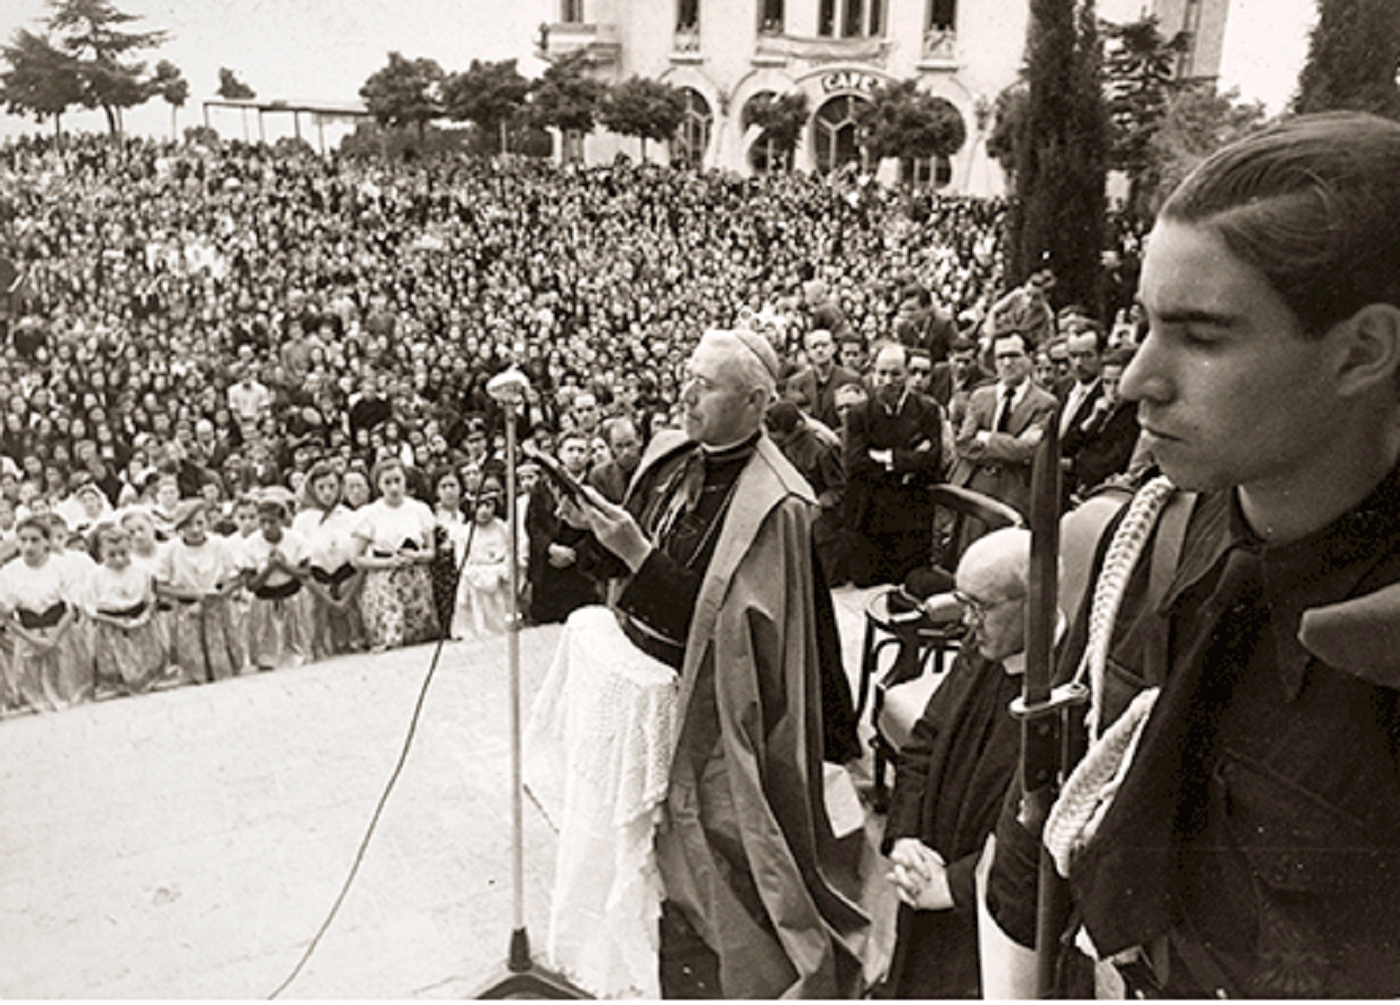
(949, 786)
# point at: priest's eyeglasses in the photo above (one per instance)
(977, 610)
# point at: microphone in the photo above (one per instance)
(508, 387)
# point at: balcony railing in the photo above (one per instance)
(599, 40)
(940, 47)
(687, 38)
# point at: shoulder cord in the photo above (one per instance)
(1089, 790)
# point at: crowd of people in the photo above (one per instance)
(242, 328)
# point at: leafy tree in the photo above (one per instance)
(566, 97)
(644, 108)
(1198, 121)
(89, 31)
(1057, 220)
(900, 121)
(487, 94)
(233, 89)
(1138, 68)
(202, 135)
(371, 141)
(1353, 59)
(781, 119)
(1008, 125)
(41, 80)
(404, 93)
(171, 85)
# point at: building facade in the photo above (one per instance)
(725, 54)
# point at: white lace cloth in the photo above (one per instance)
(598, 748)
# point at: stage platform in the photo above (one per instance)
(189, 844)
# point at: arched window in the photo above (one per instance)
(765, 156)
(693, 137)
(834, 133)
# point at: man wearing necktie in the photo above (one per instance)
(718, 580)
(1086, 361)
(894, 455)
(1249, 842)
(1003, 425)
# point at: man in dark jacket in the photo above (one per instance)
(952, 777)
(1246, 712)
(894, 455)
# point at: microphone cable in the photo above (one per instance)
(406, 746)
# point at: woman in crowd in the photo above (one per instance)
(394, 546)
(449, 545)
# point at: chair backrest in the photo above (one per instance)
(964, 516)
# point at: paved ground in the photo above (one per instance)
(189, 844)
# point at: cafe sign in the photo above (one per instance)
(849, 80)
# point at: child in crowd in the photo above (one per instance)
(198, 573)
(165, 504)
(38, 592)
(277, 561)
(483, 595)
(328, 524)
(128, 650)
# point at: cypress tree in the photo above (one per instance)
(1057, 220)
(1353, 58)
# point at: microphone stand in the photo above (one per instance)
(523, 977)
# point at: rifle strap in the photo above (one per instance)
(1090, 788)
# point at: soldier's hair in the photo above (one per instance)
(1313, 204)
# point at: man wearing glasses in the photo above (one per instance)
(952, 776)
(1004, 423)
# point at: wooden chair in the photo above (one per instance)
(918, 635)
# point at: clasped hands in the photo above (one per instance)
(612, 525)
(920, 876)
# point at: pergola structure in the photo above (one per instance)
(319, 111)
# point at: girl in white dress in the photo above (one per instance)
(198, 572)
(483, 594)
(128, 649)
(334, 584)
(278, 561)
(38, 595)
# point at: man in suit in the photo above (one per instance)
(1105, 439)
(893, 452)
(1085, 345)
(921, 324)
(612, 477)
(955, 379)
(817, 385)
(1004, 424)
